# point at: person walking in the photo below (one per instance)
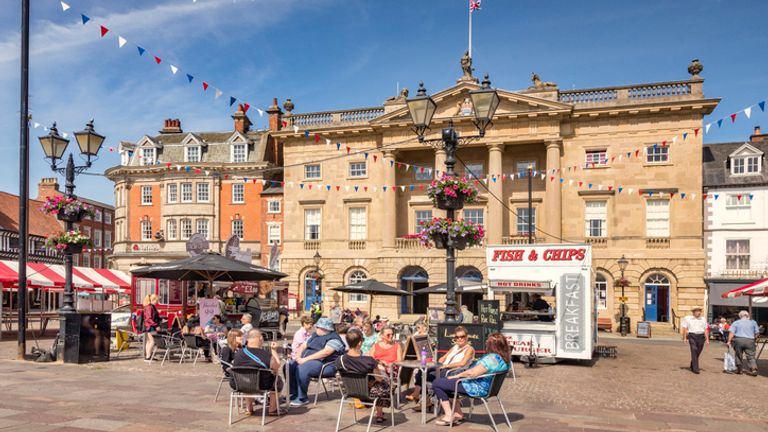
(696, 335)
(151, 323)
(742, 338)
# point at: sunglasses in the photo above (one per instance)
(460, 337)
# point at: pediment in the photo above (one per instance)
(746, 150)
(238, 138)
(455, 102)
(193, 140)
(147, 141)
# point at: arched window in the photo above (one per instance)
(657, 279)
(355, 277)
(601, 291)
(470, 273)
(656, 306)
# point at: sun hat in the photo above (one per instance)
(325, 324)
(695, 308)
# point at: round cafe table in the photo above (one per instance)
(416, 364)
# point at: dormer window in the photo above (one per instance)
(192, 154)
(148, 156)
(745, 165)
(239, 152)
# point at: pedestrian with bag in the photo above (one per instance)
(151, 323)
(742, 337)
(696, 335)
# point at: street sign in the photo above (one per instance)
(623, 299)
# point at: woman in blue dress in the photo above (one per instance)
(496, 360)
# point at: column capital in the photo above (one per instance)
(496, 147)
(440, 151)
(389, 153)
(554, 143)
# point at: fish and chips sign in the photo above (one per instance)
(562, 271)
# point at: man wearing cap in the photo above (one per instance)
(696, 335)
(322, 348)
(744, 331)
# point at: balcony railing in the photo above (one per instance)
(657, 243)
(519, 240)
(408, 244)
(334, 118)
(597, 242)
(632, 94)
(311, 244)
(356, 244)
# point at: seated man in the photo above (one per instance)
(256, 356)
(540, 305)
(323, 347)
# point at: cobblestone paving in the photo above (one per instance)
(644, 389)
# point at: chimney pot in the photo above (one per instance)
(171, 126)
(757, 130)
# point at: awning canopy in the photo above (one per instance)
(52, 277)
(759, 288)
(462, 285)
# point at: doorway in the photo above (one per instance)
(656, 301)
(412, 279)
(313, 289)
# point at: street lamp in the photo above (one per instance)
(624, 320)
(54, 146)
(317, 259)
(485, 100)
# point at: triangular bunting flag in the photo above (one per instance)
(717, 196)
(719, 123)
(190, 78)
(301, 185)
(85, 19)
(232, 100)
(338, 146)
(121, 41)
(696, 132)
(751, 196)
(682, 195)
(205, 86)
(348, 149)
(327, 142)
(365, 188)
(620, 189)
(295, 129)
(261, 114)
(174, 69)
(706, 128)
(104, 31)
(685, 135)
(338, 188)
(246, 107)
(218, 94)
(64, 6)
(748, 112)
(762, 106)
(384, 188)
(306, 134)
(157, 60)
(365, 155)
(317, 138)
(356, 187)
(374, 158)
(733, 117)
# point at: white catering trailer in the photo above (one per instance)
(547, 300)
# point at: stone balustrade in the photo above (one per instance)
(357, 244)
(657, 242)
(334, 118)
(408, 244)
(624, 95)
(597, 242)
(519, 240)
(311, 244)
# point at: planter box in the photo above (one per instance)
(449, 203)
(442, 242)
(74, 249)
(71, 217)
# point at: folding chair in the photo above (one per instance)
(321, 381)
(497, 380)
(356, 387)
(249, 383)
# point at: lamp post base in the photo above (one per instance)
(624, 325)
(84, 337)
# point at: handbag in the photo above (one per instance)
(729, 362)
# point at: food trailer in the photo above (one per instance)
(547, 300)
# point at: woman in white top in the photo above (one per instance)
(459, 356)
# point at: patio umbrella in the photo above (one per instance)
(462, 285)
(372, 287)
(755, 289)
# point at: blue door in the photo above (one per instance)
(313, 292)
(651, 303)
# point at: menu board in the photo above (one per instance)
(475, 333)
(415, 345)
(644, 329)
(490, 313)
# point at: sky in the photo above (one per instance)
(333, 54)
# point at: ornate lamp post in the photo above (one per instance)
(54, 146)
(485, 100)
(624, 320)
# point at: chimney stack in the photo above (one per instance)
(48, 187)
(758, 135)
(171, 126)
(242, 122)
(275, 116)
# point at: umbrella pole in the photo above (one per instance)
(370, 305)
(750, 306)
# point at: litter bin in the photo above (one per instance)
(86, 337)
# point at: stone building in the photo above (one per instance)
(357, 211)
(174, 184)
(736, 222)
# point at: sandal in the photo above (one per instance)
(442, 422)
(380, 419)
(429, 407)
(412, 398)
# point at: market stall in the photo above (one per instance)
(546, 297)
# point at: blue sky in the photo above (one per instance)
(329, 54)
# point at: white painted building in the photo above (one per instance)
(735, 221)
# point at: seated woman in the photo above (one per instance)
(495, 361)
(234, 344)
(369, 336)
(458, 357)
(387, 351)
(355, 363)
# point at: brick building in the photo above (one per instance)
(41, 225)
(100, 228)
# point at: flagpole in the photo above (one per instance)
(470, 33)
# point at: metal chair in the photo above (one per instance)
(191, 346)
(321, 381)
(249, 383)
(168, 345)
(355, 386)
(225, 377)
(497, 380)
(401, 378)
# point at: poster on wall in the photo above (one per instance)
(207, 309)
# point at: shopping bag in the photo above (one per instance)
(729, 362)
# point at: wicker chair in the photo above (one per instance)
(355, 386)
(250, 383)
(496, 383)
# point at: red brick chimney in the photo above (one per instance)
(171, 126)
(242, 122)
(275, 116)
(758, 135)
(48, 187)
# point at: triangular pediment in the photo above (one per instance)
(455, 102)
(147, 141)
(746, 150)
(238, 138)
(193, 140)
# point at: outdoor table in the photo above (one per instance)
(416, 364)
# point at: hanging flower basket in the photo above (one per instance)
(67, 209)
(450, 193)
(444, 233)
(68, 241)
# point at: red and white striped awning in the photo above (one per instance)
(51, 277)
(759, 288)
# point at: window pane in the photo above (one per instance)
(657, 154)
(238, 153)
(202, 227)
(358, 223)
(172, 192)
(186, 229)
(312, 171)
(237, 228)
(422, 173)
(357, 276)
(273, 233)
(186, 192)
(358, 169)
(474, 216)
(274, 206)
(474, 170)
(202, 192)
(595, 219)
(171, 228)
(657, 218)
(422, 215)
(193, 154)
(312, 224)
(596, 157)
(146, 230)
(238, 193)
(522, 220)
(521, 167)
(146, 195)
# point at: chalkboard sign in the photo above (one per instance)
(490, 313)
(643, 329)
(414, 346)
(475, 333)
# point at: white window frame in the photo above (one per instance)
(98, 216)
(171, 229)
(148, 160)
(474, 170)
(96, 261)
(656, 155)
(742, 168)
(203, 192)
(358, 223)
(108, 218)
(107, 239)
(202, 226)
(358, 169)
(238, 193)
(274, 233)
(146, 195)
(238, 228)
(185, 229)
(601, 291)
(521, 220)
(657, 215)
(199, 154)
(187, 190)
(739, 254)
(738, 210)
(309, 168)
(97, 238)
(357, 276)
(274, 206)
(146, 230)
(521, 167)
(86, 260)
(588, 231)
(313, 213)
(172, 192)
(469, 214)
(591, 161)
(421, 215)
(235, 155)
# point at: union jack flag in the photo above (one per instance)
(474, 5)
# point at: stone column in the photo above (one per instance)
(495, 218)
(389, 228)
(553, 194)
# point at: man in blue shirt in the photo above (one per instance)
(320, 350)
(742, 339)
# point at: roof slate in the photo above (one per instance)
(170, 147)
(716, 167)
(40, 224)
